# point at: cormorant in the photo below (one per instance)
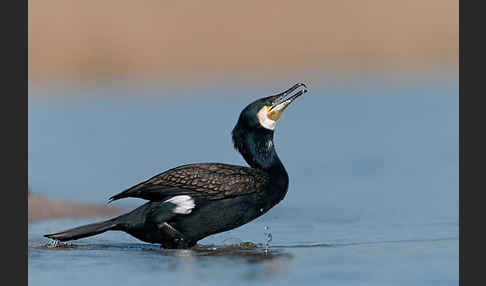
(193, 201)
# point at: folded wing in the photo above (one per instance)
(212, 181)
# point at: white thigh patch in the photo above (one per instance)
(184, 204)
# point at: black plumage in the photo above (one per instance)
(190, 202)
(212, 181)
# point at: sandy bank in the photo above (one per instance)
(70, 38)
(40, 208)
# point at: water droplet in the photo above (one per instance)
(268, 239)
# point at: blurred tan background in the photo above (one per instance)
(116, 38)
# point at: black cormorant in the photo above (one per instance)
(193, 201)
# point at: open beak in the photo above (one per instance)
(283, 100)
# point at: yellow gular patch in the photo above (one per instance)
(276, 112)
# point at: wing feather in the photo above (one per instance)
(212, 181)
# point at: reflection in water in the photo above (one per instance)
(184, 263)
(274, 267)
(262, 261)
(250, 251)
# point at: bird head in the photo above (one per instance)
(253, 133)
(265, 112)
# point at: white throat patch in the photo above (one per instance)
(264, 120)
(184, 204)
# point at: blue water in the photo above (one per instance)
(373, 195)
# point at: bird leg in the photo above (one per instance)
(175, 238)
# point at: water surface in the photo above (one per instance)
(373, 195)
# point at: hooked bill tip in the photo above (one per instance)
(302, 84)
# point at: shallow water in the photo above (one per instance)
(373, 196)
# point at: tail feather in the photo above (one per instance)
(83, 231)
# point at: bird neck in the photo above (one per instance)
(258, 150)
